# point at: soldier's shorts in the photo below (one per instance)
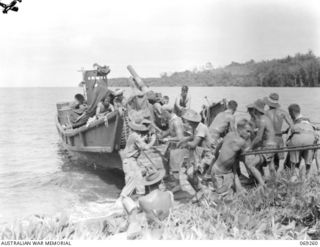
(177, 156)
(266, 159)
(134, 172)
(302, 140)
(307, 155)
(222, 182)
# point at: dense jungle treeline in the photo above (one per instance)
(301, 70)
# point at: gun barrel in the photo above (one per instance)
(132, 71)
(137, 79)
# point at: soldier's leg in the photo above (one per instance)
(251, 163)
(272, 167)
(308, 156)
(316, 157)
(138, 177)
(215, 153)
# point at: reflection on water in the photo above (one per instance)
(90, 183)
(74, 186)
(37, 176)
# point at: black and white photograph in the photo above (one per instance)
(159, 120)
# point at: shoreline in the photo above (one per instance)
(285, 211)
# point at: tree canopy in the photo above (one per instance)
(301, 70)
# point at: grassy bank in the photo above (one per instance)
(288, 209)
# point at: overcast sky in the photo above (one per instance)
(47, 41)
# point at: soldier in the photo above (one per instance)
(265, 139)
(78, 108)
(277, 116)
(175, 131)
(200, 138)
(136, 142)
(223, 122)
(165, 100)
(173, 135)
(182, 103)
(104, 106)
(302, 133)
(224, 171)
(155, 205)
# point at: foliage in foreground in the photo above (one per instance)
(287, 209)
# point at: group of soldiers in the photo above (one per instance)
(222, 151)
(211, 155)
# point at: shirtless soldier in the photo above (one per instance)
(223, 122)
(173, 135)
(182, 103)
(175, 132)
(277, 116)
(265, 138)
(223, 173)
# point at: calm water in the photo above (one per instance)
(38, 177)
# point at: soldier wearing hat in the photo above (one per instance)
(200, 131)
(155, 205)
(264, 139)
(200, 138)
(136, 142)
(277, 116)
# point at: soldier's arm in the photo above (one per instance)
(179, 133)
(195, 142)
(250, 163)
(141, 144)
(287, 119)
(232, 124)
(165, 133)
(185, 140)
(177, 104)
(237, 182)
(111, 107)
(188, 103)
(259, 135)
(157, 108)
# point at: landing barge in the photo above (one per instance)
(100, 142)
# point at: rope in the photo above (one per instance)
(282, 150)
(147, 156)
